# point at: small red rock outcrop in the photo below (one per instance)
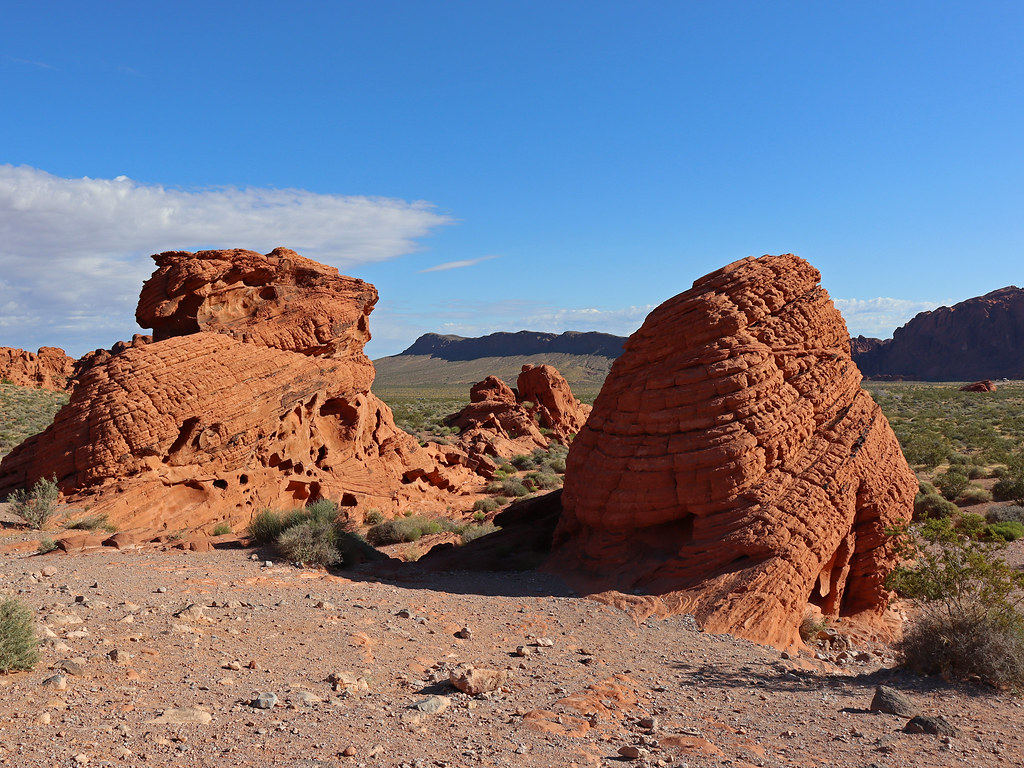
(49, 368)
(979, 386)
(733, 468)
(501, 421)
(255, 392)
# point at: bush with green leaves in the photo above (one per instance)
(313, 535)
(1010, 486)
(407, 529)
(311, 542)
(92, 523)
(1005, 531)
(952, 483)
(18, 642)
(265, 526)
(38, 505)
(974, 494)
(1012, 513)
(483, 506)
(932, 505)
(222, 529)
(971, 623)
(472, 532)
(514, 487)
(544, 481)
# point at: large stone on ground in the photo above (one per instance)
(733, 468)
(254, 393)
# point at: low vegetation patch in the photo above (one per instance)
(314, 535)
(25, 411)
(98, 522)
(407, 529)
(38, 505)
(18, 642)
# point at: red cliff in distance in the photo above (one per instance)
(732, 467)
(50, 368)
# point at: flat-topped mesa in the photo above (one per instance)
(255, 392)
(280, 300)
(49, 368)
(733, 467)
(501, 421)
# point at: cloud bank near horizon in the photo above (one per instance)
(879, 317)
(75, 252)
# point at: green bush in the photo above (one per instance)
(373, 517)
(974, 494)
(265, 526)
(92, 523)
(311, 542)
(514, 487)
(476, 531)
(521, 462)
(542, 481)
(971, 525)
(952, 483)
(1005, 531)
(971, 622)
(407, 529)
(46, 544)
(483, 506)
(222, 529)
(926, 488)
(18, 642)
(932, 505)
(1011, 514)
(37, 506)
(1009, 489)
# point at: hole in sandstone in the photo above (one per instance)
(347, 500)
(243, 479)
(314, 492)
(274, 460)
(321, 454)
(298, 490)
(268, 293)
(341, 408)
(299, 469)
(184, 433)
(220, 483)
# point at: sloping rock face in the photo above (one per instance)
(255, 392)
(501, 421)
(980, 338)
(979, 386)
(733, 468)
(49, 368)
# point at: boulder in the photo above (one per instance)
(254, 393)
(49, 368)
(979, 386)
(733, 467)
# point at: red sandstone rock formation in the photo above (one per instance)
(500, 421)
(979, 386)
(50, 368)
(254, 393)
(979, 338)
(733, 467)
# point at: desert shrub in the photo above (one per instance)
(811, 626)
(476, 531)
(932, 505)
(18, 642)
(926, 488)
(37, 506)
(322, 509)
(407, 529)
(46, 544)
(1009, 488)
(222, 529)
(483, 506)
(927, 449)
(514, 487)
(542, 481)
(971, 622)
(373, 517)
(92, 523)
(312, 542)
(971, 525)
(974, 494)
(265, 526)
(1005, 531)
(1011, 514)
(952, 483)
(522, 462)
(974, 472)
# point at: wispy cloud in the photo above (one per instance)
(74, 252)
(879, 317)
(40, 64)
(458, 264)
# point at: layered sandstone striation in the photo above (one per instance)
(254, 392)
(49, 368)
(979, 338)
(733, 468)
(502, 422)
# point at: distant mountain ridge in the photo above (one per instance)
(503, 344)
(978, 338)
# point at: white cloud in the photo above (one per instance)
(74, 252)
(457, 264)
(879, 317)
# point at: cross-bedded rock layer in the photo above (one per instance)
(255, 392)
(733, 466)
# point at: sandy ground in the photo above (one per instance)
(137, 637)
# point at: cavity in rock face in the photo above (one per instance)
(254, 392)
(733, 466)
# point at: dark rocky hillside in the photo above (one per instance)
(454, 348)
(979, 338)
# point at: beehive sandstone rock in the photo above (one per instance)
(254, 392)
(49, 368)
(733, 467)
(501, 421)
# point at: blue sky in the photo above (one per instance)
(578, 162)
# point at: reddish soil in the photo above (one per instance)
(716, 700)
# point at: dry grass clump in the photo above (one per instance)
(18, 642)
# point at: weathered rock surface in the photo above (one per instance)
(255, 392)
(501, 421)
(979, 386)
(49, 368)
(980, 338)
(733, 468)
